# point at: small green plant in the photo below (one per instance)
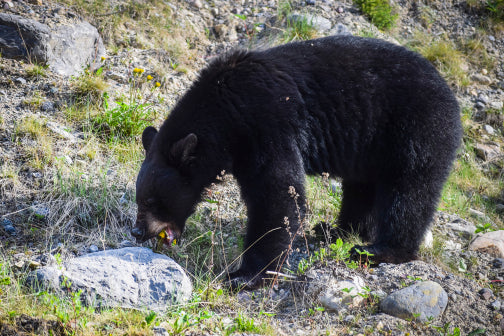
(484, 228)
(337, 251)
(299, 27)
(89, 87)
(241, 323)
(380, 12)
(36, 70)
(131, 114)
(186, 320)
(150, 318)
(496, 9)
(364, 258)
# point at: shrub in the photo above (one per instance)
(379, 12)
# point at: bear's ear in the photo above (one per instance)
(183, 150)
(147, 136)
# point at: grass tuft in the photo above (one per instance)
(445, 56)
(380, 12)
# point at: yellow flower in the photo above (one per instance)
(158, 84)
(103, 58)
(149, 77)
(138, 70)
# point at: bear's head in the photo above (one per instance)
(164, 192)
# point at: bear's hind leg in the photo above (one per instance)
(403, 214)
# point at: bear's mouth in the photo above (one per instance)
(168, 236)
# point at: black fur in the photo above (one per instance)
(373, 113)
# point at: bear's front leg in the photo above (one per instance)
(276, 205)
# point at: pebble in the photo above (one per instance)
(20, 80)
(486, 294)
(160, 331)
(40, 211)
(310, 2)
(420, 301)
(482, 79)
(490, 242)
(499, 208)
(497, 105)
(126, 243)
(479, 105)
(498, 263)
(93, 249)
(349, 318)
(47, 106)
(8, 226)
(489, 129)
(496, 305)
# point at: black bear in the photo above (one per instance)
(373, 113)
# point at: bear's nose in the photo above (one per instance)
(137, 233)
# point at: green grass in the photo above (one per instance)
(36, 70)
(380, 12)
(444, 54)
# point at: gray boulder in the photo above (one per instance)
(66, 49)
(131, 277)
(420, 301)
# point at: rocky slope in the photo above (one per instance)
(36, 220)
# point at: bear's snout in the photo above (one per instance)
(138, 233)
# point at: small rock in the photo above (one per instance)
(341, 29)
(489, 129)
(7, 4)
(6, 222)
(349, 318)
(160, 331)
(126, 243)
(498, 263)
(47, 106)
(464, 229)
(499, 208)
(501, 324)
(40, 211)
(32, 264)
(197, 4)
(482, 79)
(498, 105)
(10, 229)
(486, 294)
(479, 105)
(496, 305)
(343, 294)
(93, 249)
(490, 242)
(483, 98)
(61, 131)
(20, 80)
(318, 22)
(420, 301)
(310, 2)
(477, 214)
(487, 151)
